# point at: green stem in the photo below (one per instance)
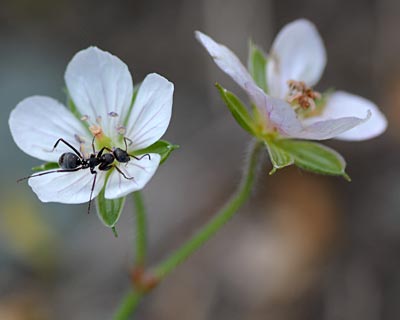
(141, 230)
(128, 305)
(132, 299)
(222, 217)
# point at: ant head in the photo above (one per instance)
(121, 155)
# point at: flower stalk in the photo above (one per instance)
(128, 305)
(157, 274)
(220, 219)
(141, 230)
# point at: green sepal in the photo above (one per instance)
(109, 210)
(313, 157)
(279, 158)
(238, 110)
(46, 166)
(257, 64)
(162, 147)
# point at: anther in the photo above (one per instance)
(97, 131)
(302, 95)
(79, 139)
(121, 130)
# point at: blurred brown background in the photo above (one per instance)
(305, 247)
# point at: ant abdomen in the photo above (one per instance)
(69, 160)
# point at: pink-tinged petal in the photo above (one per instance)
(140, 170)
(38, 122)
(298, 53)
(100, 84)
(343, 104)
(151, 112)
(67, 187)
(327, 129)
(226, 60)
(280, 116)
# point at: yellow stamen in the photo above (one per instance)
(100, 138)
(301, 96)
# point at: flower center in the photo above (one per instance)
(301, 97)
(96, 128)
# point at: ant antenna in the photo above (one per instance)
(141, 157)
(131, 155)
(130, 142)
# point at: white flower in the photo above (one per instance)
(295, 64)
(101, 88)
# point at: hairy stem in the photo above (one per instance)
(157, 274)
(128, 305)
(218, 221)
(141, 230)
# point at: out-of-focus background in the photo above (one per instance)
(304, 247)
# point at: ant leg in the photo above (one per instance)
(91, 191)
(123, 174)
(141, 157)
(44, 173)
(102, 150)
(130, 142)
(100, 153)
(69, 145)
(94, 150)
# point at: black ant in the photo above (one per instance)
(71, 162)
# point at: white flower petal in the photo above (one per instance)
(38, 122)
(100, 83)
(140, 170)
(343, 104)
(327, 129)
(151, 112)
(225, 59)
(280, 115)
(297, 53)
(67, 187)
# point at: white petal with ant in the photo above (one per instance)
(141, 171)
(102, 140)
